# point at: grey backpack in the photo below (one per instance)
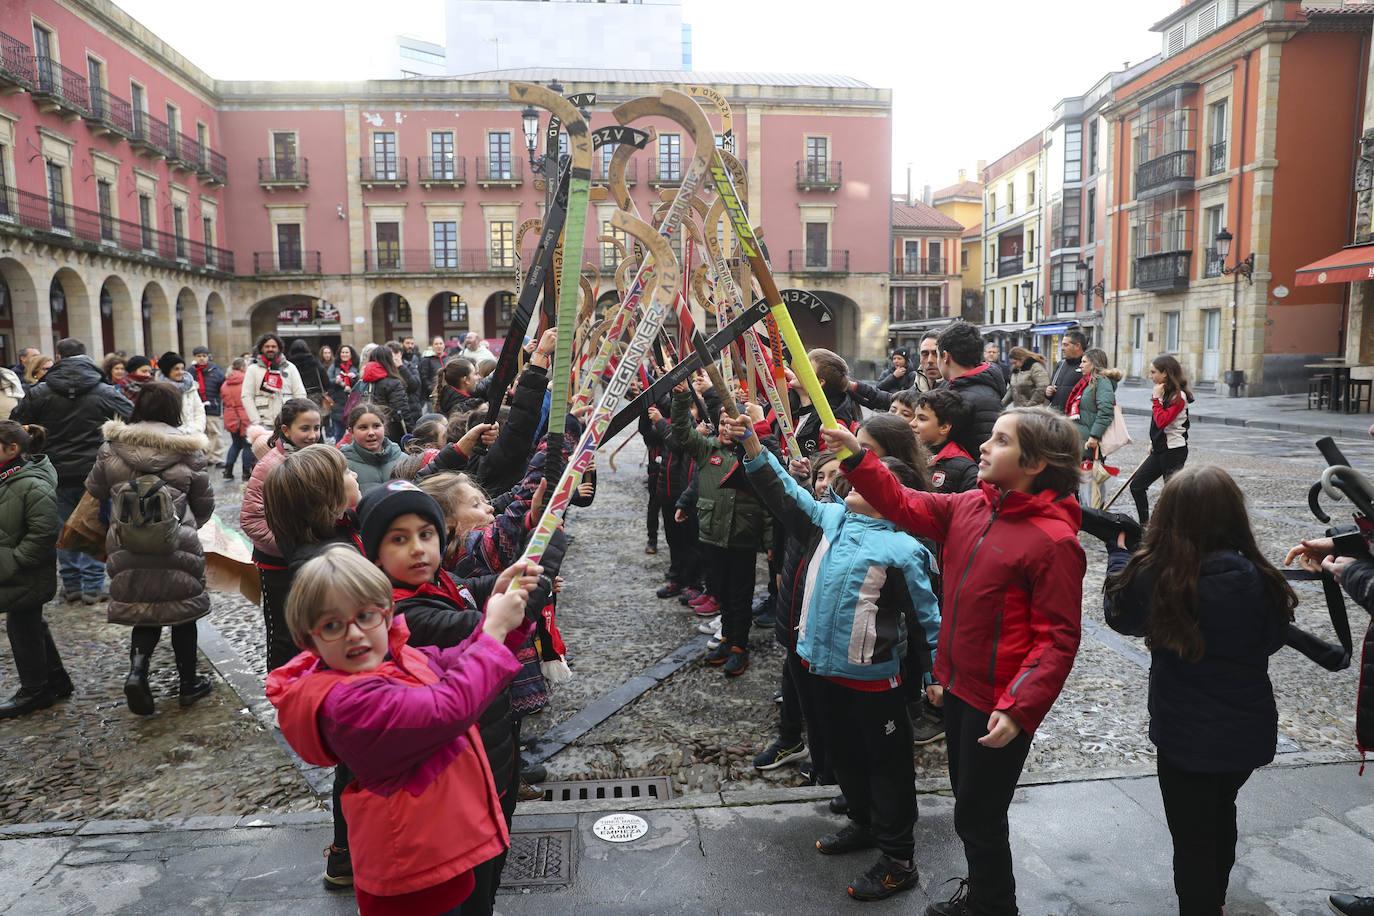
(144, 516)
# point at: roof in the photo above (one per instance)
(693, 77)
(1313, 8)
(973, 232)
(921, 215)
(969, 189)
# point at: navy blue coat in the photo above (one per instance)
(1215, 715)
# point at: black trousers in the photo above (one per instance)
(684, 552)
(868, 738)
(655, 506)
(487, 876)
(730, 580)
(145, 639)
(1201, 811)
(1157, 464)
(799, 712)
(276, 586)
(984, 779)
(35, 654)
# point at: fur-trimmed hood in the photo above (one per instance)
(158, 436)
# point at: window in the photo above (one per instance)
(505, 307)
(610, 254)
(136, 102)
(145, 220)
(935, 263)
(284, 163)
(720, 141)
(607, 152)
(5, 209)
(1030, 179)
(388, 245)
(42, 42)
(207, 228)
(202, 135)
(1092, 216)
(911, 256)
(173, 119)
(1171, 323)
(429, 57)
(57, 198)
(1092, 147)
(963, 259)
(817, 159)
(992, 208)
(49, 77)
(288, 246)
(562, 144)
(445, 235)
(498, 155)
(1073, 158)
(669, 157)
(441, 154)
(1217, 130)
(95, 77)
(1011, 197)
(179, 230)
(501, 243)
(1030, 247)
(455, 310)
(1211, 225)
(817, 245)
(104, 196)
(384, 155)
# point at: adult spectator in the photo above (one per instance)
(431, 364)
(138, 371)
(1065, 375)
(416, 397)
(929, 376)
(1029, 379)
(24, 354)
(992, 355)
(113, 369)
(268, 382)
(900, 376)
(35, 368)
(173, 369)
(475, 349)
(11, 392)
(72, 403)
(962, 366)
(314, 377)
(209, 379)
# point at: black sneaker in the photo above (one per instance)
(839, 804)
(651, 548)
(927, 729)
(338, 868)
(766, 620)
(687, 594)
(737, 663)
(1350, 905)
(778, 753)
(668, 590)
(851, 837)
(884, 878)
(957, 905)
(719, 654)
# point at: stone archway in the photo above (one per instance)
(22, 322)
(190, 322)
(117, 316)
(841, 333)
(496, 313)
(70, 305)
(391, 317)
(217, 329)
(157, 321)
(447, 316)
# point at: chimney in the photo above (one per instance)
(982, 167)
(908, 184)
(925, 195)
(962, 173)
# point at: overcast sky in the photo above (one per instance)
(969, 80)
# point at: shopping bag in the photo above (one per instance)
(1117, 436)
(85, 529)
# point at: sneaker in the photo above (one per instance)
(709, 627)
(777, 697)
(527, 792)
(338, 868)
(884, 878)
(927, 729)
(806, 771)
(956, 905)
(767, 620)
(1350, 905)
(778, 753)
(719, 654)
(738, 663)
(668, 590)
(762, 604)
(689, 594)
(708, 608)
(534, 772)
(228, 474)
(651, 548)
(701, 598)
(839, 804)
(851, 837)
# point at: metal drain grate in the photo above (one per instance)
(656, 787)
(538, 858)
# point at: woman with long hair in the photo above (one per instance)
(382, 385)
(343, 375)
(1092, 402)
(1212, 610)
(1029, 379)
(1168, 431)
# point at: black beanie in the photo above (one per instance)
(382, 505)
(134, 363)
(167, 362)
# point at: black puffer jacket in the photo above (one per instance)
(983, 388)
(1216, 715)
(72, 403)
(808, 423)
(1358, 581)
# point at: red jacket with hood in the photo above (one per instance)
(1013, 587)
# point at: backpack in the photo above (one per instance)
(361, 391)
(144, 516)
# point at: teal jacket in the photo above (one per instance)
(1097, 406)
(373, 468)
(726, 517)
(28, 533)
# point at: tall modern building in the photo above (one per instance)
(507, 34)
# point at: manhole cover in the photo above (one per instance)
(539, 858)
(656, 787)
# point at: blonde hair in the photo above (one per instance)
(338, 571)
(304, 495)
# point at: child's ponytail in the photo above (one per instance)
(30, 438)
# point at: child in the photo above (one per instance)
(454, 387)
(1212, 610)
(382, 385)
(679, 527)
(297, 426)
(1013, 590)
(430, 433)
(28, 567)
(942, 421)
(309, 498)
(369, 452)
(833, 373)
(904, 404)
(236, 420)
(423, 807)
(851, 636)
(1168, 431)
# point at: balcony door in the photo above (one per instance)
(1211, 344)
(911, 256)
(284, 155)
(388, 246)
(1137, 345)
(384, 156)
(288, 246)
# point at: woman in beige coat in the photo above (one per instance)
(152, 590)
(1029, 379)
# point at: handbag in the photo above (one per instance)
(85, 528)
(1117, 436)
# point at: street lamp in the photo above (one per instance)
(1099, 288)
(1245, 267)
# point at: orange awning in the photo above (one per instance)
(1348, 265)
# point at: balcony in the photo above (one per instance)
(600, 168)
(914, 311)
(1212, 267)
(383, 172)
(500, 172)
(150, 135)
(1173, 171)
(808, 260)
(919, 267)
(77, 227)
(16, 65)
(1216, 158)
(214, 168)
(1163, 272)
(1010, 265)
(109, 114)
(1000, 215)
(664, 175)
(442, 171)
(283, 172)
(286, 262)
(436, 260)
(819, 175)
(186, 151)
(57, 88)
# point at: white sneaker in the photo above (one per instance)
(710, 625)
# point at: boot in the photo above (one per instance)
(136, 689)
(193, 690)
(25, 701)
(60, 684)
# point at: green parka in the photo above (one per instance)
(726, 517)
(28, 534)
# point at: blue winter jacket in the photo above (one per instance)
(863, 580)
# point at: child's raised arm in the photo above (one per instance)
(925, 514)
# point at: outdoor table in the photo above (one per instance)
(1340, 379)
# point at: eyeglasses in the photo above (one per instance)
(335, 628)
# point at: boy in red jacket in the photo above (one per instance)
(1013, 594)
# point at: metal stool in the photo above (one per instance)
(1358, 390)
(1318, 391)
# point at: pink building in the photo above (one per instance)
(927, 285)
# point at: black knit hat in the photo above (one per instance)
(382, 505)
(167, 362)
(134, 363)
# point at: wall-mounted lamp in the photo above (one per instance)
(341, 212)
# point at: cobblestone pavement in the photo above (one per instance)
(89, 757)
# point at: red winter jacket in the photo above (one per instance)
(1013, 587)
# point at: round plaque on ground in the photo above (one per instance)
(620, 828)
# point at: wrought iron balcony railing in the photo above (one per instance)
(383, 171)
(919, 267)
(1216, 158)
(815, 259)
(110, 113)
(16, 63)
(1172, 171)
(150, 134)
(1164, 271)
(59, 87)
(1009, 265)
(283, 172)
(819, 174)
(286, 261)
(449, 171)
(500, 171)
